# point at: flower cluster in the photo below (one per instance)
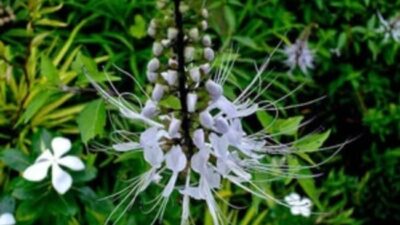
(192, 146)
(6, 15)
(298, 205)
(7, 219)
(299, 55)
(55, 159)
(389, 28)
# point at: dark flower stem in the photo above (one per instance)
(183, 91)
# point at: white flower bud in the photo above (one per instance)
(166, 43)
(161, 4)
(198, 138)
(194, 34)
(209, 54)
(150, 109)
(221, 125)
(158, 92)
(172, 33)
(205, 68)
(153, 24)
(152, 76)
(207, 41)
(157, 48)
(191, 102)
(215, 90)
(204, 25)
(153, 65)
(173, 63)
(174, 126)
(204, 13)
(151, 32)
(183, 8)
(189, 53)
(195, 74)
(170, 77)
(206, 120)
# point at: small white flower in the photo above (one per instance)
(195, 74)
(299, 54)
(298, 205)
(390, 29)
(170, 77)
(191, 102)
(7, 219)
(56, 158)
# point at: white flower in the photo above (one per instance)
(55, 159)
(298, 205)
(299, 54)
(390, 29)
(7, 219)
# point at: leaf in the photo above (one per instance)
(91, 120)
(171, 102)
(38, 102)
(312, 142)
(7, 204)
(138, 30)
(15, 159)
(49, 70)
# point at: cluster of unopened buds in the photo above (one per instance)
(6, 15)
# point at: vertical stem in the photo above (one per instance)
(183, 91)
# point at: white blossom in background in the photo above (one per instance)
(299, 55)
(55, 159)
(389, 28)
(191, 149)
(298, 205)
(7, 219)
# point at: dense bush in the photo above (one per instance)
(44, 93)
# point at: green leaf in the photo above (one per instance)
(91, 120)
(138, 30)
(171, 102)
(15, 159)
(38, 102)
(312, 142)
(49, 70)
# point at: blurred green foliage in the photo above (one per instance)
(43, 90)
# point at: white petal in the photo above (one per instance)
(150, 109)
(193, 192)
(153, 155)
(198, 138)
(45, 156)
(221, 125)
(220, 145)
(176, 159)
(127, 146)
(295, 210)
(170, 186)
(174, 126)
(195, 74)
(158, 92)
(214, 89)
(199, 160)
(206, 120)
(61, 180)
(191, 102)
(7, 219)
(60, 146)
(170, 77)
(37, 172)
(306, 212)
(72, 162)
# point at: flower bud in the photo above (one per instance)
(205, 68)
(151, 32)
(153, 65)
(195, 74)
(221, 125)
(151, 76)
(198, 138)
(150, 109)
(215, 90)
(166, 43)
(161, 4)
(194, 34)
(206, 120)
(172, 33)
(158, 92)
(174, 126)
(207, 41)
(204, 25)
(204, 13)
(183, 8)
(157, 48)
(170, 77)
(189, 54)
(173, 63)
(191, 102)
(209, 54)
